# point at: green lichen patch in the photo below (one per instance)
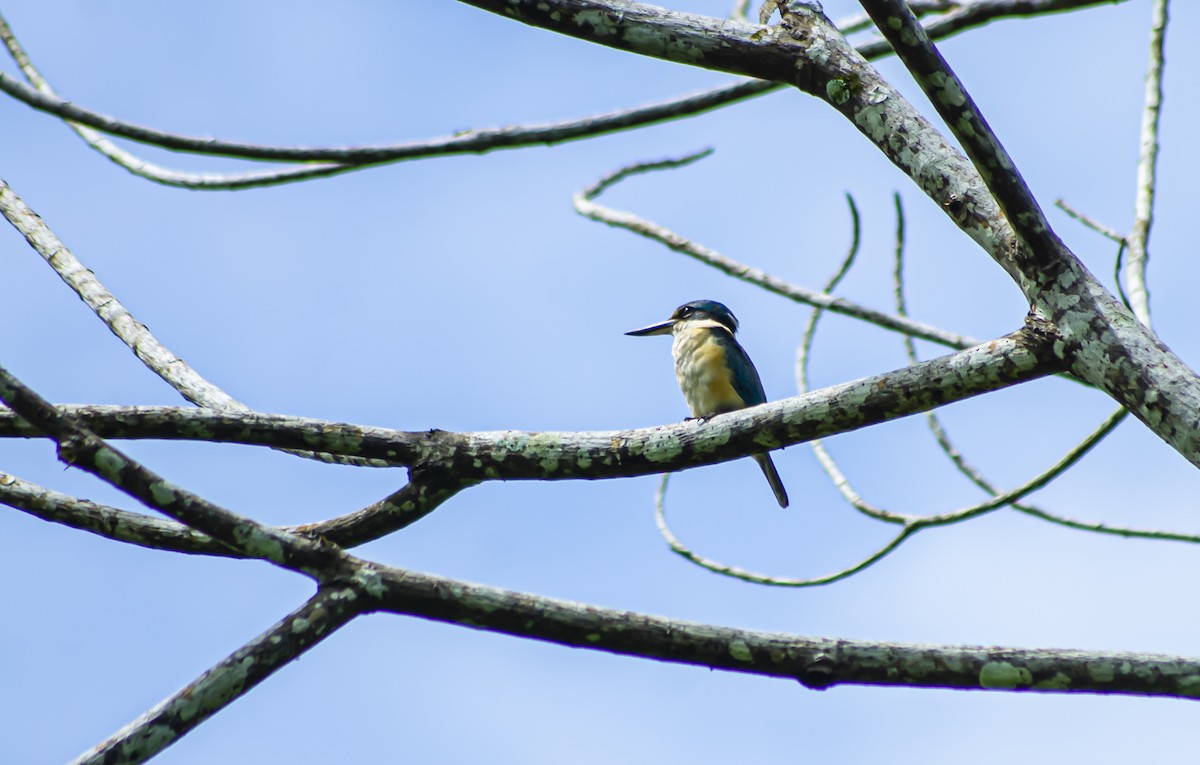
(1002, 674)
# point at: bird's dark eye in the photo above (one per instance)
(685, 310)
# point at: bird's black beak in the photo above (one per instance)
(662, 328)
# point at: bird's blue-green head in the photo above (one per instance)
(695, 311)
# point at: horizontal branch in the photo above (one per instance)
(515, 455)
(816, 662)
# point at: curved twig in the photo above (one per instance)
(660, 520)
(1051, 473)
(803, 353)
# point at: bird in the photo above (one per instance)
(713, 370)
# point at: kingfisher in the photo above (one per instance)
(714, 372)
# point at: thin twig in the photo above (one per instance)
(1143, 209)
(79, 447)
(1118, 276)
(803, 354)
(585, 204)
(973, 474)
(734, 572)
(1089, 221)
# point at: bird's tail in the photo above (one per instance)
(768, 468)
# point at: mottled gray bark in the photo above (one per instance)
(548, 455)
(1097, 337)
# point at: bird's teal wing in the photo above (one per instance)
(745, 377)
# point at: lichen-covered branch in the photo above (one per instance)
(816, 662)
(79, 447)
(109, 522)
(424, 493)
(157, 357)
(327, 611)
(1098, 338)
(515, 455)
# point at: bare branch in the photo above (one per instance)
(158, 358)
(346, 159)
(115, 316)
(79, 447)
(943, 440)
(586, 206)
(109, 522)
(1143, 212)
(1090, 222)
(1099, 338)
(326, 612)
(1109, 233)
(815, 662)
(516, 455)
(425, 491)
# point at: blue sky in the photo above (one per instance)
(464, 293)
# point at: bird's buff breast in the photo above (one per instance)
(703, 376)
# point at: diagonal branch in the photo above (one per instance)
(157, 357)
(586, 205)
(109, 522)
(79, 447)
(424, 493)
(233, 677)
(1101, 340)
